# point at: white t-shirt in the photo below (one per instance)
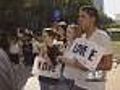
(14, 48)
(101, 38)
(32, 83)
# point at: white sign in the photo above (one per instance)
(42, 68)
(86, 52)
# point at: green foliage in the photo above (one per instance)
(115, 36)
(36, 13)
(113, 26)
(104, 20)
(72, 7)
(11, 4)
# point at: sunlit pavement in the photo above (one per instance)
(113, 79)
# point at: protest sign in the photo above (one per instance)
(42, 68)
(86, 52)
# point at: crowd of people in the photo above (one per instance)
(45, 55)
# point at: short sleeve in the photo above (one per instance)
(105, 42)
(6, 73)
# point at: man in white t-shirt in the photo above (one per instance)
(88, 19)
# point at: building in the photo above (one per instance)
(109, 7)
(99, 4)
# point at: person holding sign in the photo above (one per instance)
(93, 48)
(47, 69)
(42, 62)
(71, 70)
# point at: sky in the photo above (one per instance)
(112, 7)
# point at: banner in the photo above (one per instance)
(86, 52)
(42, 68)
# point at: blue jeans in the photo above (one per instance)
(55, 84)
(58, 84)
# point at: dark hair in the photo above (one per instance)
(92, 12)
(53, 52)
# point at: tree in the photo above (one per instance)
(72, 6)
(37, 13)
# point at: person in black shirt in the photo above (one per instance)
(28, 51)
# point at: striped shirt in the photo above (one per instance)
(6, 72)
